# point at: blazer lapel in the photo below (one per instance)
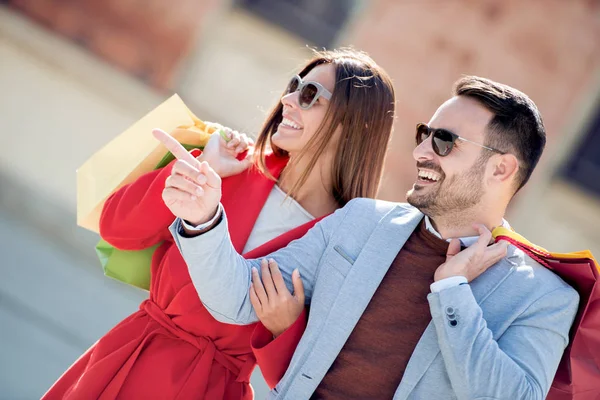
(487, 283)
(359, 286)
(426, 350)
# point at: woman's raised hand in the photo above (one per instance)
(223, 152)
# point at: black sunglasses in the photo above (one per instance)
(443, 140)
(309, 92)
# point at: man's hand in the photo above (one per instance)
(193, 190)
(474, 260)
(223, 154)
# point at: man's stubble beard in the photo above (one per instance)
(454, 196)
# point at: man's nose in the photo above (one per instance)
(424, 150)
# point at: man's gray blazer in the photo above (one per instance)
(511, 323)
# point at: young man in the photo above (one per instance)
(397, 308)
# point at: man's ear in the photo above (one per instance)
(506, 166)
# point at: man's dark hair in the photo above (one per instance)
(517, 125)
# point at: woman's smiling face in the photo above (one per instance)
(299, 125)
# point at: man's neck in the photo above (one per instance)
(457, 225)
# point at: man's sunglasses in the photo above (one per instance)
(309, 92)
(443, 140)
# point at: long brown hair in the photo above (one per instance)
(362, 102)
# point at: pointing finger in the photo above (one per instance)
(174, 146)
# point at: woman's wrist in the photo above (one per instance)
(278, 332)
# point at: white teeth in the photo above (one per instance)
(290, 123)
(429, 175)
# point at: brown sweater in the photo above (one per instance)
(373, 360)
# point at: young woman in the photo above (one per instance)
(322, 145)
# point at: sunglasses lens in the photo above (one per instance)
(293, 86)
(443, 141)
(307, 95)
(422, 133)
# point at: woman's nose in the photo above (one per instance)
(290, 100)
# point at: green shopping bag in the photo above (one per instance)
(132, 266)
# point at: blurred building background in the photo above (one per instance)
(74, 74)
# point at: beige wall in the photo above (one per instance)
(548, 49)
(239, 69)
(68, 103)
(59, 105)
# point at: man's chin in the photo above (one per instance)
(417, 199)
(416, 190)
(413, 198)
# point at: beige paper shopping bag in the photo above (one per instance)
(131, 154)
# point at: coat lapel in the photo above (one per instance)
(281, 240)
(244, 196)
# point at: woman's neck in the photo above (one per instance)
(315, 195)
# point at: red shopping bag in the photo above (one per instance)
(578, 375)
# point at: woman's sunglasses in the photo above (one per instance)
(443, 141)
(309, 92)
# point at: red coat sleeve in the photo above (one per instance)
(135, 216)
(273, 356)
